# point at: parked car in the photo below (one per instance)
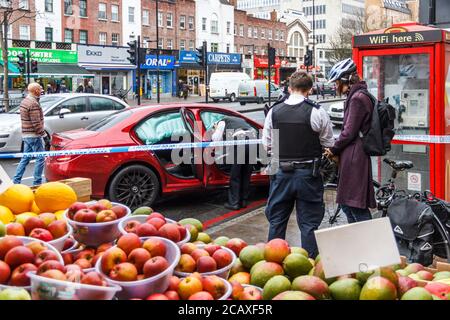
(140, 178)
(323, 89)
(257, 91)
(336, 112)
(62, 112)
(224, 85)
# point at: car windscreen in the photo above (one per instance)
(45, 101)
(109, 121)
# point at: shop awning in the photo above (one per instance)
(12, 68)
(107, 66)
(62, 70)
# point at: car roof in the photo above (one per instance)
(146, 108)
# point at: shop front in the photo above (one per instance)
(262, 69)
(191, 72)
(224, 62)
(167, 75)
(109, 67)
(288, 66)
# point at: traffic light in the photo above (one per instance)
(272, 54)
(34, 66)
(132, 52)
(200, 52)
(308, 58)
(21, 63)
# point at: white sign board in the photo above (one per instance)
(414, 181)
(361, 246)
(5, 181)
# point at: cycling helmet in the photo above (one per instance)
(341, 69)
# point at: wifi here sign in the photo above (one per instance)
(398, 38)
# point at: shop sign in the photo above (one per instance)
(397, 5)
(44, 56)
(262, 62)
(188, 57)
(224, 58)
(100, 54)
(165, 62)
(395, 38)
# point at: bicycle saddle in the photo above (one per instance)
(399, 165)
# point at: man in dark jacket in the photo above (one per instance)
(89, 88)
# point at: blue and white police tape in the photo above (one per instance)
(154, 147)
(423, 138)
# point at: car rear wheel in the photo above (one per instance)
(232, 97)
(260, 100)
(216, 100)
(134, 186)
(242, 103)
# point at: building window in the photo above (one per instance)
(182, 44)
(131, 14)
(83, 8)
(191, 45)
(255, 33)
(263, 33)
(169, 44)
(241, 30)
(24, 32)
(277, 34)
(214, 47)
(296, 45)
(115, 39)
(102, 38)
(191, 23)
(281, 35)
(68, 35)
(228, 27)
(145, 18)
(114, 12)
(102, 11)
(49, 34)
(48, 5)
(169, 20)
(160, 43)
(146, 42)
(83, 37)
(228, 48)
(68, 7)
(160, 19)
(23, 4)
(235, 29)
(270, 34)
(249, 32)
(203, 24)
(214, 24)
(182, 22)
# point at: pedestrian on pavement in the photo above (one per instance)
(49, 89)
(32, 133)
(355, 192)
(63, 88)
(298, 128)
(80, 88)
(180, 88)
(185, 89)
(89, 88)
(233, 128)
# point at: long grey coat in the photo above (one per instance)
(355, 188)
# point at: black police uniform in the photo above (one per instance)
(297, 180)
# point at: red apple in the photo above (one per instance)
(157, 222)
(106, 203)
(188, 286)
(188, 247)
(186, 264)
(128, 242)
(250, 293)
(83, 264)
(214, 285)
(103, 247)
(19, 255)
(74, 208)
(206, 264)
(202, 295)
(36, 247)
(93, 278)
(155, 266)
(7, 243)
(54, 274)
(5, 272)
(236, 245)
(33, 223)
(131, 226)
(172, 295)
(156, 247)
(173, 283)
(19, 276)
(67, 257)
(197, 253)
(106, 216)
(124, 272)
(111, 257)
(41, 234)
(139, 257)
(68, 243)
(97, 207)
(96, 258)
(211, 248)
(146, 230)
(85, 215)
(170, 231)
(87, 254)
(50, 265)
(58, 229)
(119, 211)
(45, 255)
(223, 258)
(237, 290)
(15, 229)
(157, 296)
(156, 215)
(183, 232)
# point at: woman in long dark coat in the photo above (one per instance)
(355, 191)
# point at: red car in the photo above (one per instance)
(139, 178)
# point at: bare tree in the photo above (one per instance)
(11, 11)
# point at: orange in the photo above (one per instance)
(6, 215)
(54, 196)
(18, 198)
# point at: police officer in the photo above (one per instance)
(241, 157)
(295, 132)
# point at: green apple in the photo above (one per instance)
(14, 294)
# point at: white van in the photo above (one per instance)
(224, 85)
(251, 91)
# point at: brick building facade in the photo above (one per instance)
(24, 28)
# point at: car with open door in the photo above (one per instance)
(141, 178)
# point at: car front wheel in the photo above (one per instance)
(134, 186)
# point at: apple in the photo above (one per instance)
(124, 271)
(36, 247)
(15, 229)
(87, 254)
(155, 266)
(211, 248)
(54, 274)
(197, 275)
(15, 294)
(33, 223)
(97, 207)
(45, 255)
(223, 258)
(41, 234)
(157, 296)
(106, 216)
(47, 217)
(237, 290)
(206, 264)
(172, 295)
(170, 231)
(120, 211)
(111, 257)
(58, 229)
(156, 247)
(131, 226)
(146, 230)
(103, 247)
(96, 258)
(236, 245)
(19, 276)
(5, 272)
(157, 222)
(250, 293)
(188, 247)
(173, 283)
(83, 263)
(202, 295)
(214, 285)
(50, 265)
(106, 203)
(186, 264)
(189, 286)
(85, 215)
(93, 278)
(19, 255)
(68, 243)
(197, 253)
(67, 258)
(74, 208)
(182, 230)
(128, 242)
(156, 215)
(139, 257)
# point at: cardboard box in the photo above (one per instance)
(81, 186)
(437, 266)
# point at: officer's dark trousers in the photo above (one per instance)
(306, 192)
(240, 176)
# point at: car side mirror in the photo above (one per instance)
(63, 112)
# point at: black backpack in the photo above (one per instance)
(377, 141)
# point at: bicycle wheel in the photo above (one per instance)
(333, 215)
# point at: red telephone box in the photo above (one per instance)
(409, 64)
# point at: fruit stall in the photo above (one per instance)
(56, 244)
